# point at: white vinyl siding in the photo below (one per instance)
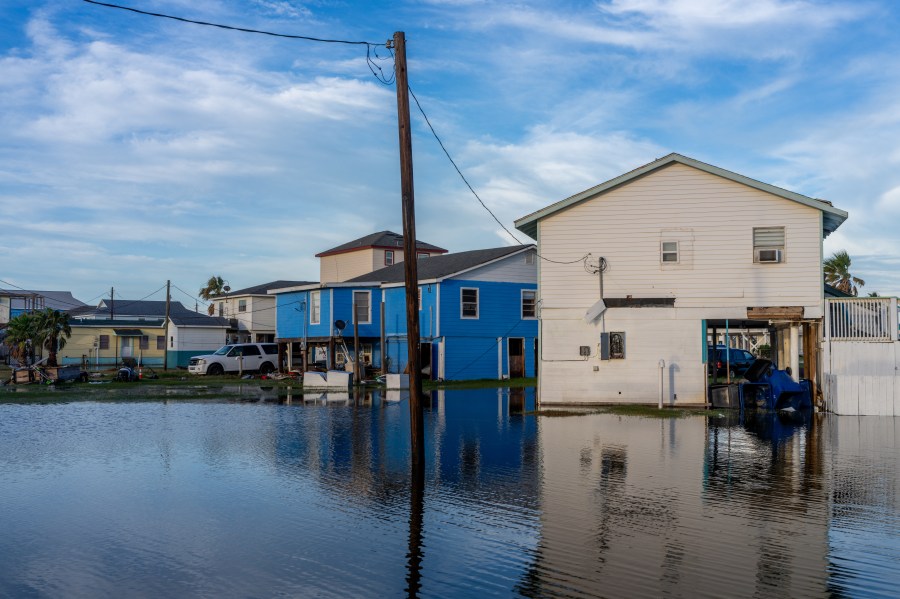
(625, 226)
(341, 267)
(362, 307)
(468, 303)
(315, 306)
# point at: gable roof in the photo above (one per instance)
(832, 217)
(263, 288)
(383, 239)
(441, 267)
(152, 309)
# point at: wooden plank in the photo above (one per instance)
(775, 312)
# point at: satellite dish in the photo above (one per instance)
(340, 325)
(595, 311)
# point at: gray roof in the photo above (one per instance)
(831, 217)
(382, 239)
(152, 309)
(58, 300)
(440, 267)
(265, 287)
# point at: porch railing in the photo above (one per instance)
(861, 319)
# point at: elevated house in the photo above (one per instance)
(477, 316)
(640, 271)
(250, 312)
(16, 301)
(103, 335)
(367, 254)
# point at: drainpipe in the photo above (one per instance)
(662, 369)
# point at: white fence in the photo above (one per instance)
(861, 357)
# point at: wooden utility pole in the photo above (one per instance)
(166, 327)
(416, 416)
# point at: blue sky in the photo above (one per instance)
(135, 149)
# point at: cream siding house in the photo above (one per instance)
(670, 247)
(367, 254)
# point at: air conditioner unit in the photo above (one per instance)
(768, 255)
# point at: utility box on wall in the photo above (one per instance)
(612, 346)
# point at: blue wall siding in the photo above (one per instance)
(288, 314)
(470, 345)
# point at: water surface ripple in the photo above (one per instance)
(286, 497)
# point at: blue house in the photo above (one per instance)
(477, 316)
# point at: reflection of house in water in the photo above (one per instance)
(478, 441)
(645, 507)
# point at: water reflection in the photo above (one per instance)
(313, 495)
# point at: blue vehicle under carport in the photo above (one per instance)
(766, 388)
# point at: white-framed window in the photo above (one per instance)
(422, 255)
(468, 298)
(388, 257)
(315, 306)
(420, 299)
(221, 308)
(362, 307)
(529, 303)
(242, 305)
(768, 244)
(668, 252)
(529, 257)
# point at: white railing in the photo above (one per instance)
(861, 319)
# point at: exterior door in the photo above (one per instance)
(516, 358)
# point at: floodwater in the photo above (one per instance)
(312, 496)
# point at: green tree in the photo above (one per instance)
(53, 330)
(21, 334)
(837, 273)
(215, 287)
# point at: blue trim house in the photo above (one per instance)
(477, 316)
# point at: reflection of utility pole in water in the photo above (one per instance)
(417, 433)
(414, 553)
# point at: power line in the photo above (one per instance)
(477, 197)
(230, 27)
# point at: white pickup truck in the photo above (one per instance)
(237, 357)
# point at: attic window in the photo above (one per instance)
(669, 252)
(388, 257)
(529, 258)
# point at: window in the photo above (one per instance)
(529, 258)
(669, 252)
(422, 255)
(160, 342)
(172, 341)
(104, 341)
(361, 307)
(388, 257)
(145, 342)
(420, 299)
(469, 301)
(270, 348)
(242, 305)
(221, 308)
(529, 303)
(768, 244)
(314, 306)
(250, 350)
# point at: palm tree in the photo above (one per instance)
(215, 287)
(837, 273)
(53, 329)
(21, 333)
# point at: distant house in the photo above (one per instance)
(640, 271)
(16, 301)
(477, 315)
(103, 335)
(250, 312)
(367, 254)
